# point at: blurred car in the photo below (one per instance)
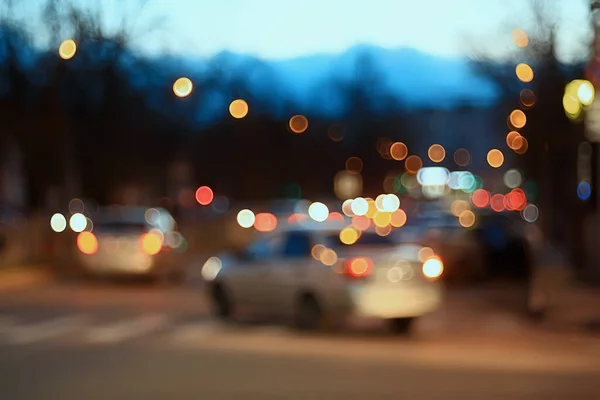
(133, 241)
(307, 275)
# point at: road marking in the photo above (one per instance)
(122, 331)
(30, 333)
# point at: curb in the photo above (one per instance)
(21, 277)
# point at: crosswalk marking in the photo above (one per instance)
(127, 329)
(34, 332)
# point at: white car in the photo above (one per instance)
(307, 275)
(133, 241)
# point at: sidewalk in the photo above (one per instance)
(24, 276)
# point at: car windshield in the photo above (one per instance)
(365, 239)
(121, 227)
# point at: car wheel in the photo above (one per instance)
(400, 326)
(308, 315)
(223, 306)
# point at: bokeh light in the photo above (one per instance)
(462, 157)
(67, 49)
(586, 93)
(328, 257)
(361, 223)
(517, 119)
(359, 206)
(530, 213)
(76, 206)
(398, 151)
(58, 222)
(467, 219)
(524, 72)
(398, 218)
(151, 243)
(480, 198)
(425, 253)
(458, 206)
(382, 219)
(383, 230)
(510, 140)
(298, 124)
(265, 222)
(347, 208)
(413, 164)
(336, 132)
(87, 243)
(521, 145)
(152, 216)
(527, 98)
(584, 190)
(204, 195)
(390, 202)
(78, 222)
(495, 158)
(317, 250)
(520, 38)
(349, 235)
(246, 218)
(238, 108)
(571, 105)
(354, 165)
(497, 202)
(436, 153)
(512, 178)
(318, 211)
(183, 87)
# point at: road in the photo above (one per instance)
(70, 340)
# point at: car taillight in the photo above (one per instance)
(358, 267)
(433, 267)
(87, 243)
(151, 243)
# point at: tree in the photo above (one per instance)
(551, 158)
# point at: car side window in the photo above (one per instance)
(264, 248)
(297, 245)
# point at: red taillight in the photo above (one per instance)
(151, 243)
(358, 267)
(87, 243)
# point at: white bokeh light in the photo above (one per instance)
(78, 222)
(360, 206)
(318, 211)
(58, 222)
(246, 218)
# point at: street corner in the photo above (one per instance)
(24, 276)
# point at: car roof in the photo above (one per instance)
(133, 214)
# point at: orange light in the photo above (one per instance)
(359, 267)
(413, 164)
(151, 243)
(298, 124)
(335, 216)
(361, 222)
(517, 119)
(265, 222)
(87, 243)
(398, 151)
(296, 218)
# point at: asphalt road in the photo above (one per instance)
(137, 341)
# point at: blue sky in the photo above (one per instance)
(279, 29)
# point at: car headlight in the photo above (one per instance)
(433, 267)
